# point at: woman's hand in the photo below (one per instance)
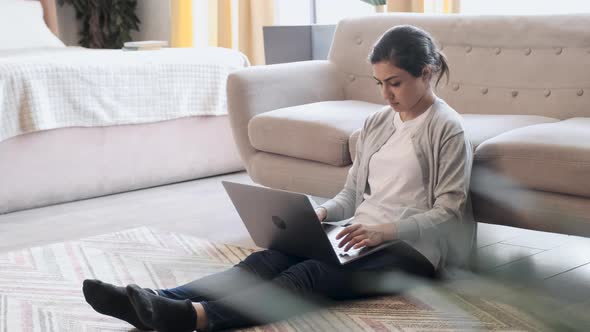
(322, 213)
(358, 235)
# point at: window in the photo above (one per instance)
(290, 12)
(332, 11)
(524, 7)
(303, 12)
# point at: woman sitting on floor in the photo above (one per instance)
(409, 182)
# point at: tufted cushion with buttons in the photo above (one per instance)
(552, 157)
(486, 53)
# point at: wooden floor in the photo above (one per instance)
(556, 266)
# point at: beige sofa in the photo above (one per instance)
(522, 84)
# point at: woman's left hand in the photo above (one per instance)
(358, 235)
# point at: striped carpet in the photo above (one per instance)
(40, 289)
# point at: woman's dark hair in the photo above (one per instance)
(411, 49)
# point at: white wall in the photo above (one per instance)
(68, 28)
(153, 14)
(155, 20)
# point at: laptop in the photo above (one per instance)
(286, 221)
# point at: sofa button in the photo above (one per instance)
(484, 91)
(468, 49)
(351, 78)
(558, 50)
(547, 92)
(514, 93)
(455, 86)
(498, 50)
(528, 51)
(580, 92)
(358, 40)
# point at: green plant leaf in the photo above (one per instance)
(376, 2)
(104, 23)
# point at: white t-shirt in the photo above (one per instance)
(395, 177)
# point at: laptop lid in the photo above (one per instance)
(281, 220)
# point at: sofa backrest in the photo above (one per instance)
(499, 64)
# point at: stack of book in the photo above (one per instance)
(147, 45)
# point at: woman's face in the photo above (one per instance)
(402, 90)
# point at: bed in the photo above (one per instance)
(77, 123)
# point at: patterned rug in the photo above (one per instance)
(40, 289)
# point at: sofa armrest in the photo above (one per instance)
(260, 89)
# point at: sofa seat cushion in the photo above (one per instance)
(318, 131)
(481, 127)
(552, 157)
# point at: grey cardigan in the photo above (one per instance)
(445, 232)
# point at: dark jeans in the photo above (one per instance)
(268, 285)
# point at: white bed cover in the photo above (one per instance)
(48, 88)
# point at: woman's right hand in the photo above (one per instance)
(322, 213)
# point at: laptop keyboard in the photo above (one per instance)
(340, 251)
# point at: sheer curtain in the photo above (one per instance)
(249, 16)
(424, 6)
(407, 6)
(220, 23)
(181, 23)
(252, 16)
